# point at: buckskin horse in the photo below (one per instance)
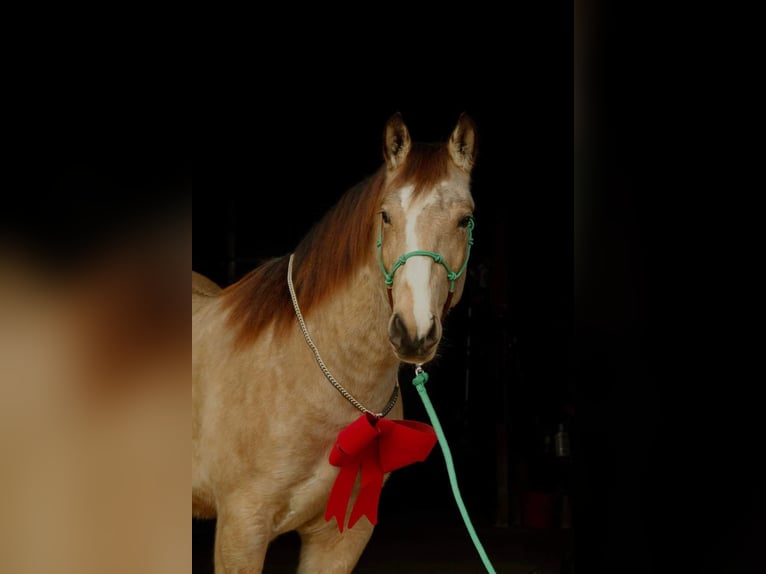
(365, 290)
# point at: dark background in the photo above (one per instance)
(607, 275)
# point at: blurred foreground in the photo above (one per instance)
(94, 399)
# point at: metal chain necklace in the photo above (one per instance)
(320, 362)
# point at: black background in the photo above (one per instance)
(608, 291)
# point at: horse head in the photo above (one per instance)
(426, 222)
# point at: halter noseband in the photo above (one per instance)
(452, 276)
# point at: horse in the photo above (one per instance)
(345, 307)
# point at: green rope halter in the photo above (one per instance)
(452, 276)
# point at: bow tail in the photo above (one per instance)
(340, 494)
(371, 486)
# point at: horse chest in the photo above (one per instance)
(303, 499)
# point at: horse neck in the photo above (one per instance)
(350, 329)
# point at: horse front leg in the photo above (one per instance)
(241, 540)
(325, 550)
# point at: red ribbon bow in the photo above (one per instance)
(373, 446)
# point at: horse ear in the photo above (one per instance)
(462, 143)
(396, 141)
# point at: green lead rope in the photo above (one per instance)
(420, 384)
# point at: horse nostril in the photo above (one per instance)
(433, 335)
(396, 331)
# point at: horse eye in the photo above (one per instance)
(465, 221)
(386, 218)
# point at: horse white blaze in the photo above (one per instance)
(417, 271)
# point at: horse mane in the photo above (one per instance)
(328, 254)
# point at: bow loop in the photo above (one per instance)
(353, 439)
(404, 442)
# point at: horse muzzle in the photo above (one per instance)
(409, 346)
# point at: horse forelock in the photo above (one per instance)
(426, 166)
